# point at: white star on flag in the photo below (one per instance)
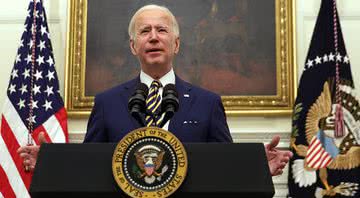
(50, 75)
(18, 59)
(26, 73)
(23, 89)
(49, 90)
(30, 44)
(43, 30)
(25, 27)
(31, 119)
(14, 74)
(36, 89)
(42, 45)
(325, 58)
(21, 104)
(22, 43)
(12, 88)
(40, 60)
(309, 63)
(318, 60)
(34, 104)
(50, 61)
(47, 105)
(28, 59)
(338, 57)
(38, 75)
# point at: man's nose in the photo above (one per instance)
(153, 36)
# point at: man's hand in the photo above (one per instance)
(277, 159)
(29, 153)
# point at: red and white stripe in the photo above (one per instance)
(14, 181)
(316, 156)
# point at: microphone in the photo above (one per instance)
(169, 103)
(137, 103)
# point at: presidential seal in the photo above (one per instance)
(149, 162)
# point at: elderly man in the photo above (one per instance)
(154, 40)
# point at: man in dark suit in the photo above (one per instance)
(154, 40)
(200, 117)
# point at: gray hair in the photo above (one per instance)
(131, 29)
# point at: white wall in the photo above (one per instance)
(260, 129)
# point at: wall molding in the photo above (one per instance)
(264, 137)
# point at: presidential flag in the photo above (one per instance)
(32, 104)
(326, 120)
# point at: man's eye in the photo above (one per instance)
(162, 30)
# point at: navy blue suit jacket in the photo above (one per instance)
(200, 118)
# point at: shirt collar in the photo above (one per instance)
(168, 78)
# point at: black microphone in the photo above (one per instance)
(169, 103)
(137, 103)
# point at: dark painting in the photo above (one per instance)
(227, 46)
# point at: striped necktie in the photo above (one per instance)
(153, 102)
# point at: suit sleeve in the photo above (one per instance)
(219, 129)
(95, 128)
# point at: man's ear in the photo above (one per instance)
(132, 47)
(177, 45)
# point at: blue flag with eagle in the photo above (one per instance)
(326, 121)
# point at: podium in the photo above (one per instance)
(214, 170)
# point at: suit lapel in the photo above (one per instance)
(185, 101)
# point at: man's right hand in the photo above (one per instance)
(29, 153)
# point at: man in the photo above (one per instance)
(154, 39)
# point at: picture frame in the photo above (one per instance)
(243, 50)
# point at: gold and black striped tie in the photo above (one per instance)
(153, 102)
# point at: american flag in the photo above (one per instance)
(322, 150)
(33, 82)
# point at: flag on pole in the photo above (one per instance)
(32, 104)
(326, 120)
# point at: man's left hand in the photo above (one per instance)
(277, 159)
(30, 153)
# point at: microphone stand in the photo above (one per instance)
(140, 117)
(168, 115)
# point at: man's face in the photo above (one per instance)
(155, 43)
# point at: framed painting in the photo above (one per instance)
(240, 49)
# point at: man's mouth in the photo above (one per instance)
(153, 50)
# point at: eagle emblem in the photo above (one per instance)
(145, 163)
(149, 159)
(330, 152)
